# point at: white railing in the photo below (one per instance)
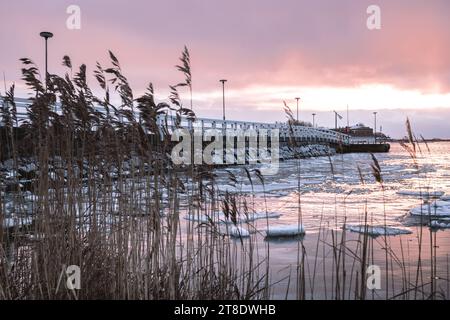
(21, 105)
(302, 133)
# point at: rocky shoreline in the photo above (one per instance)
(307, 151)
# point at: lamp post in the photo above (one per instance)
(336, 116)
(46, 35)
(375, 126)
(223, 97)
(314, 116)
(297, 106)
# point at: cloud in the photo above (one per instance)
(267, 49)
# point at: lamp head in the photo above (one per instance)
(46, 34)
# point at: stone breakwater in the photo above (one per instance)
(22, 178)
(307, 151)
(27, 169)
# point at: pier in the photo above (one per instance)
(302, 135)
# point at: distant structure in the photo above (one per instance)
(358, 138)
(359, 130)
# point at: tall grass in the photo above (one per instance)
(105, 196)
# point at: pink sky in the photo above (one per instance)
(269, 51)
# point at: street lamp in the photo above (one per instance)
(336, 116)
(375, 126)
(314, 116)
(223, 96)
(46, 35)
(297, 106)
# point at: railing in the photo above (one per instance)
(21, 105)
(302, 133)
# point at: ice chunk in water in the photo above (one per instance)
(221, 218)
(203, 218)
(239, 232)
(421, 193)
(285, 231)
(436, 208)
(263, 215)
(378, 230)
(439, 225)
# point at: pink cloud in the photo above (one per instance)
(254, 43)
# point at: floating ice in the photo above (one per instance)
(378, 230)
(221, 218)
(263, 215)
(445, 198)
(310, 176)
(421, 194)
(239, 232)
(308, 182)
(285, 231)
(258, 188)
(436, 208)
(439, 225)
(203, 218)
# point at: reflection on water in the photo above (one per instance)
(336, 191)
(333, 192)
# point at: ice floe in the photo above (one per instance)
(421, 194)
(285, 231)
(378, 230)
(239, 232)
(262, 215)
(203, 218)
(219, 217)
(436, 208)
(439, 224)
(445, 197)
(257, 188)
